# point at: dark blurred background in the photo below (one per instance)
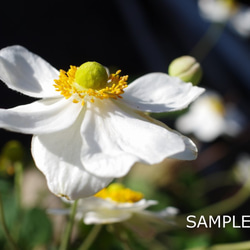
(138, 37)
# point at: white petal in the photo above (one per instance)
(57, 155)
(27, 73)
(215, 11)
(190, 150)
(40, 117)
(106, 216)
(206, 127)
(159, 92)
(204, 119)
(100, 211)
(167, 212)
(115, 138)
(93, 203)
(137, 206)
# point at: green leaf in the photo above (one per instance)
(36, 229)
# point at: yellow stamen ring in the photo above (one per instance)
(118, 193)
(68, 87)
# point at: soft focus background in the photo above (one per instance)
(138, 37)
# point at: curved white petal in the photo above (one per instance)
(57, 155)
(100, 211)
(40, 117)
(189, 153)
(93, 203)
(115, 138)
(106, 216)
(159, 92)
(206, 127)
(137, 206)
(205, 118)
(190, 150)
(27, 73)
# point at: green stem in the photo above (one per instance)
(207, 42)
(220, 207)
(5, 229)
(18, 181)
(68, 230)
(91, 237)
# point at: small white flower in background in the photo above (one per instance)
(90, 126)
(220, 11)
(208, 118)
(242, 168)
(118, 204)
(217, 10)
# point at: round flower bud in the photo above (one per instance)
(186, 68)
(91, 75)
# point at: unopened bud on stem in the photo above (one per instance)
(186, 68)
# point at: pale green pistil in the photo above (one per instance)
(91, 75)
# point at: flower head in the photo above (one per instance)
(90, 126)
(217, 10)
(119, 204)
(209, 117)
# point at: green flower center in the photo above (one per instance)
(88, 82)
(91, 75)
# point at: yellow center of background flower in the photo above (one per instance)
(217, 105)
(90, 81)
(118, 193)
(231, 4)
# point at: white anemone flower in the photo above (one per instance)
(118, 204)
(89, 126)
(217, 10)
(221, 11)
(208, 118)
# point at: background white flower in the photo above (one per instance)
(209, 117)
(82, 148)
(217, 10)
(118, 204)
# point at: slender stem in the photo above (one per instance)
(91, 237)
(18, 181)
(5, 229)
(221, 207)
(207, 42)
(68, 230)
